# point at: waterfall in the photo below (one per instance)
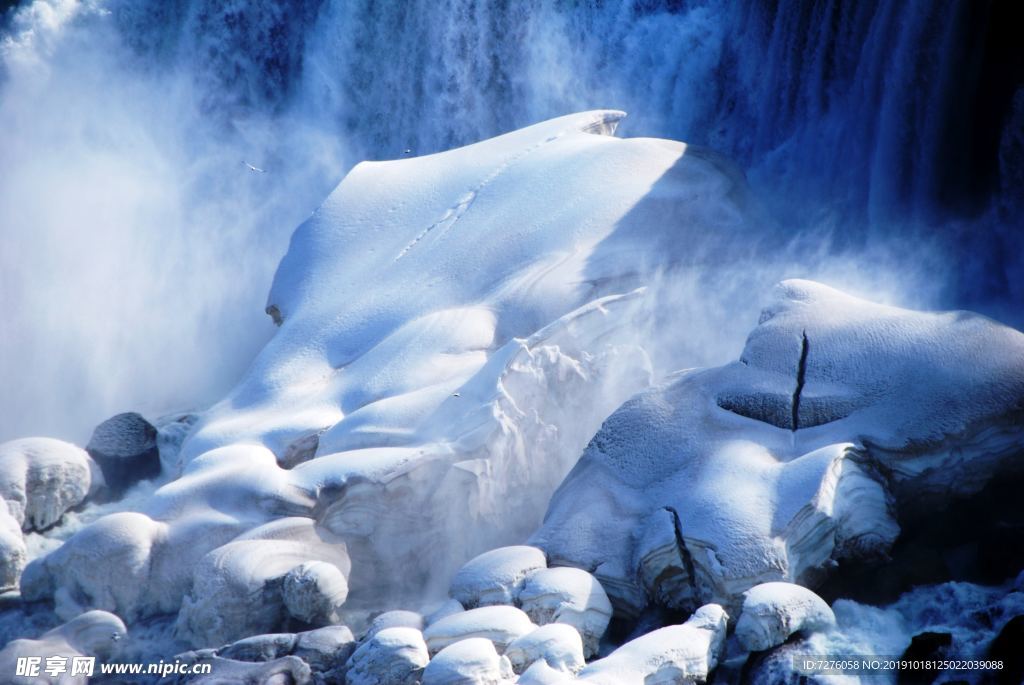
(139, 243)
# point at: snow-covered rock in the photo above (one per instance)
(392, 656)
(499, 624)
(557, 644)
(314, 592)
(771, 468)
(774, 611)
(542, 674)
(453, 331)
(125, 447)
(398, 618)
(92, 634)
(239, 588)
(473, 661)
(496, 576)
(675, 655)
(13, 554)
(41, 478)
(571, 596)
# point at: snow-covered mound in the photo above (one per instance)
(801, 456)
(453, 330)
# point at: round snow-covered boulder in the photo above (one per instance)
(42, 478)
(448, 608)
(393, 656)
(125, 447)
(495, 577)
(499, 624)
(772, 612)
(571, 596)
(238, 588)
(314, 592)
(92, 634)
(474, 661)
(557, 644)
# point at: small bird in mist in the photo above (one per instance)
(253, 168)
(407, 151)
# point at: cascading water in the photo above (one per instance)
(136, 237)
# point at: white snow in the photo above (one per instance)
(571, 596)
(392, 656)
(454, 328)
(773, 611)
(473, 661)
(707, 475)
(558, 645)
(499, 624)
(496, 576)
(673, 655)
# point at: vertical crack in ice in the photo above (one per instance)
(684, 553)
(801, 371)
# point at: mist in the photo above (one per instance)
(155, 158)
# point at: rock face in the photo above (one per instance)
(707, 487)
(774, 611)
(125, 447)
(42, 478)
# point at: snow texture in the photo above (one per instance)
(42, 478)
(673, 655)
(424, 419)
(94, 633)
(839, 413)
(469, 662)
(774, 611)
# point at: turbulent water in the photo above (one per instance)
(156, 155)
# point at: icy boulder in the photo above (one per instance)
(92, 634)
(125, 447)
(496, 576)
(770, 468)
(473, 661)
(41, 478)
(13, 553)
(247, 586)
(499, 624)
(452, 333)
(675, 655)
(392, 656)
(774, 611)
(557, 644)
(571, 596)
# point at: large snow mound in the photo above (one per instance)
(839, 416)
(453, 330)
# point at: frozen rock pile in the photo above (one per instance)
(455, 331)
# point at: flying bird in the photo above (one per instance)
(253, 168)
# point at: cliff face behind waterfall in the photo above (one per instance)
(129, 125)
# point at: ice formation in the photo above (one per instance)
(840, 415)
(453, 331)
(428, 418)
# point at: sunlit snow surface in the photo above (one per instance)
(455, 328)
